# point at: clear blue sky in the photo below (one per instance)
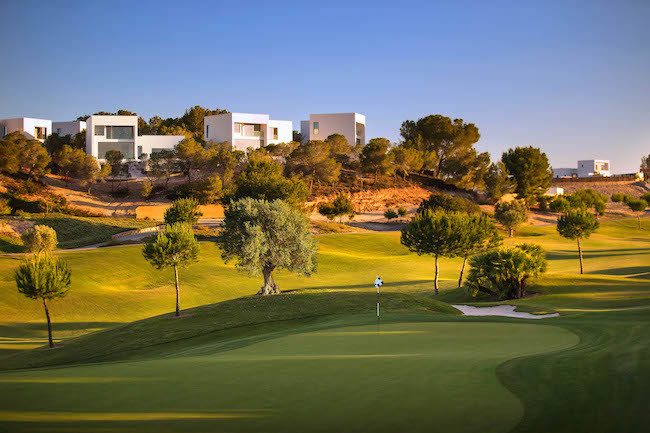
(570, 77)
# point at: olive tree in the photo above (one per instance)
(39, 239)
(511, 215)
(478, 234)
(577, 224)
(505, 272)
(434, 233)
(42, 276)
(174, 247)
(637, 206)
(262, 236)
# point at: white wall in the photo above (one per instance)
(68, 128)
(285, 131)
(26, 125)
(92, 139)
(587, 167)
(219, 127)
(335, 123)
(149, 142)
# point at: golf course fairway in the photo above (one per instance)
(414, 377)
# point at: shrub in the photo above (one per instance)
(402, 212)
(542, 203)
(559, 204)
(39, 239)
(341, 205)
(511, 215)
(617, 197)
(646, 196)
(4, 206)
(439, 201)
(506, 272)
(147, 188)
(390, 214)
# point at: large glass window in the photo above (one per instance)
(316, 128)
(119, 132)
(99, 130)
(126, 147)
(238, 128)
(207, 131)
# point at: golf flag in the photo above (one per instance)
(378, 282)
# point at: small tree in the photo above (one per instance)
(147, 187)
(39, 239)
(175, 247)
(342, 205)
(439, 201)
(390, 214)
(162, 164)
(402, 211)
(505, 272)
(511, 215)
(618, 197)
(497, 181)
(45, 277)
(577, 224)
(114, 158)
(375, 157)
(184, 210)
(559, 204)
(639, 207)
(434, 233)
(263, 236)
(478, 234)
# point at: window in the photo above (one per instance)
(207, 131)
(99, 130)
(40, 133)
(275, 133)
(58, 131)
(119, 132)
(3, 128)
(126, 147)
(316, 125)
(238, 128)
(139, 151)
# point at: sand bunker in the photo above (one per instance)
(500, 310)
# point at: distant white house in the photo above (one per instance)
(37, 129)
(244, 130)
(104, 133)
(586, 168)
(68, 128)
(554, 191)
(321, 126)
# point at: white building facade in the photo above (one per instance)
(104, 133)
(321, 126)
(68, 128)
(246, 130)
(586, 168)
(38, 129)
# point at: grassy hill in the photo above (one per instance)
(315, 359)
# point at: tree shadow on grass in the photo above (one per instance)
(369, 285)
(630, 271)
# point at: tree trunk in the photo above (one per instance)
(580, 256)
(49, 324)
(435, 280)
(638, 217)
(518, 291)
(462, 271)
(269, 287)
(510, 231)
(178, 308)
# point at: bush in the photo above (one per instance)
(402, 212)
(542, 203)
(511, 215)
(559, 204)
(4, 206)
(646, 197)
(39, 239)
(617, 197)
(341, 205)
(390, 214)
(439, 201)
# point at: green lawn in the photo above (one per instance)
(277, 364)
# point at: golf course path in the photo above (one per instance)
(500, 310)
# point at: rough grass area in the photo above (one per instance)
(75, 232)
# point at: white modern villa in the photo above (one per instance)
(321, 126)
(244, 130)
(104, 133)
(586, 168)
(37, 129)
(68, 128)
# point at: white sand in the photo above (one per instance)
(500, 310)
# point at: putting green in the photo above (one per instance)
(406, 377)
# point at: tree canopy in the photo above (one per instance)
(375, 157)
(262, 236)
(261, 178)
(497, 181)
(530, 169)
(314, 161)
(184, 210)
(39, 239)
(440, 201)
(511, 214)
(506, 272)
(340, 206)
(577, 224)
